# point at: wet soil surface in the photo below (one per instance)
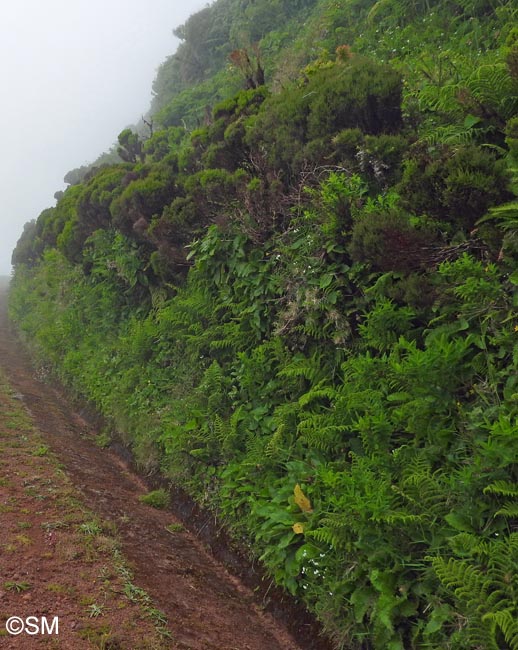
(61, 570)
(206, 607)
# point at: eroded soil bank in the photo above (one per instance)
(206, 607)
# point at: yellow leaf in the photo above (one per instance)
(301, 499)
(298, 528)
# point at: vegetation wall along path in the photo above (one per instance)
(78, 542)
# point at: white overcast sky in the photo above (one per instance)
(73, 74)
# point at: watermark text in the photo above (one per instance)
(32, 625)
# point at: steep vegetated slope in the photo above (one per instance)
(298, 299)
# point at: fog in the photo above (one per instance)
(73, 74)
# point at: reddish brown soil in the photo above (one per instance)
(56, 560)
(206, 607)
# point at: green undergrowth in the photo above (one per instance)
(304, 311)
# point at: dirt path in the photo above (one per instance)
(206, 608)
(57, 559)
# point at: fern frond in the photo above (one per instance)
(427, 494)
(507, 622)
(300, 366)
(221, 344)
(401, 518)
(439, 99)
(468, 544)
(275, 446)
(452, 134)
(467, 580)
(493, 86)
(334, 530)
(486, 588)
(506, 215)
(508, 510)
(319, 435)
(255, 450)
(319, 392)
(505, 488)
(220, 428)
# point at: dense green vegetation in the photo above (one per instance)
(301, 303)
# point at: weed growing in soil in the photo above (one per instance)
(137, 595)
(175, 528)
(95, 610)
(18, 587)
(157, 499)
(90, 528)
(42, 450)
(103, 440)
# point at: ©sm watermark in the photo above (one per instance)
(32, 625)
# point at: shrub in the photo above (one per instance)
(389, 242)
(456, 186)
(361, 94)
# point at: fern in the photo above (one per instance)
(506, 215)
(492, 86)
(440, 99)
(374, 430)
(316, 434)
(220, 429)
(451, 134)
(468, 544)
(426, 494)
(333, 531)
(504, 488)
(310, 368)
(255, 450)
(506, 620)
(399, 518)
(319, 392)
(486, 589)
(509, 510)
(274, 447)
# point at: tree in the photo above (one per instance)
(130, 149)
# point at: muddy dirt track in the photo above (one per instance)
(206, 607)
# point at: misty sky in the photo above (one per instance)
(73, 74)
